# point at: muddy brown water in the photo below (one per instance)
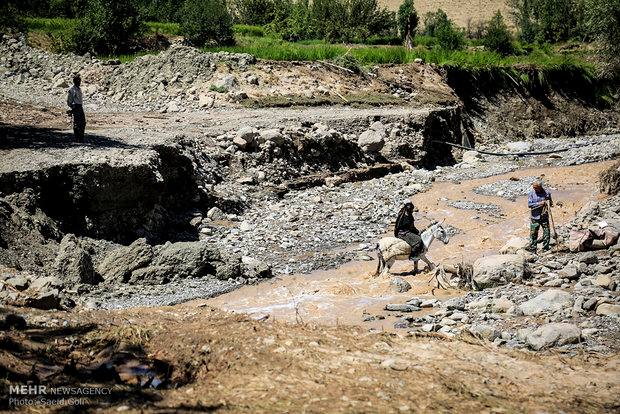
(342, 295)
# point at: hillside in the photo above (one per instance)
(461, 12)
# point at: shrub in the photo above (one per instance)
(434, 20)
(109, 27)
(332, 20)
(67, 8)
(603, 24)
(407, 22)
(206, 21)
(256, 12)
(249, 30)
(548, 20)
(9, 17)
(497, 37)
(449, 37)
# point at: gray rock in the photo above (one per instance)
(455, 303)
(589, 304)
(486, 331)
(569, 272)
(120, 263)
(188, 259)
(553, 334)
(400, 285)
(215, 213)
(497, 270)
(246, 138)
(588, 258)
(18, 282)
(552, 300)
(398, 307)
(371, 141)
(46, 299)
(73, 264)
(271, 135)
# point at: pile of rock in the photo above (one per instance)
(178, 78)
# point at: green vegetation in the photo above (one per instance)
(497, 37)
(331, 20)
(603, 24)
(350, 33)
(206, 21)
(108, 27)
(407, 22)
(9, 17)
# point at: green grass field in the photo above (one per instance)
(254, 40)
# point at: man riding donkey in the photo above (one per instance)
(539, 201)
(406, 230)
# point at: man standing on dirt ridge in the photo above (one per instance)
(539, 201)
(74, 100)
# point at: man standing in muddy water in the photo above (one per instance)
(74, 101)
(537, 200)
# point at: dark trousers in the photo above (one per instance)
(79, 123)
(535, 225)
(413, 240)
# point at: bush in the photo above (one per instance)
(332, 20)
(434, 20)
(67, 8)
(448, 36)
(256, 12)
(109, 27)
(207, 21)
(497, 37)
(548, 20)
(407, 22)
(249, 30)
(603, 24)
(10, 18)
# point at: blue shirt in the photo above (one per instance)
(534, 198)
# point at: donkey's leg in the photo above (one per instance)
(380, 263)
(388, 265)
(430, 264)
(415, 266)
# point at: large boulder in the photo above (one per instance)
(552, 300)
(371, 140)
(608, 309)
(553, 334)
(497, 270)
(120, 263)
(188, 259)
(73, 263)
(246, 138)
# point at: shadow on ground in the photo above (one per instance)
(76, 357)
(14, 137)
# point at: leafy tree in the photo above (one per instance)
(9, 17)
(407, 22)
(108, 27)
(433, 20)
(548, 20)
(206, 21)
(603, 23)
(497, 37)
(448, 36)
(258, 12)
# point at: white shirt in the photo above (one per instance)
(74, 96)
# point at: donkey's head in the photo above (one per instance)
(439, 232)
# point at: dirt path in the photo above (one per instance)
(230, 363)
(343, 295)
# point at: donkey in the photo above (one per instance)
(390, 249)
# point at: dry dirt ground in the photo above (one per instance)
(460, 11)
(231, 363)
